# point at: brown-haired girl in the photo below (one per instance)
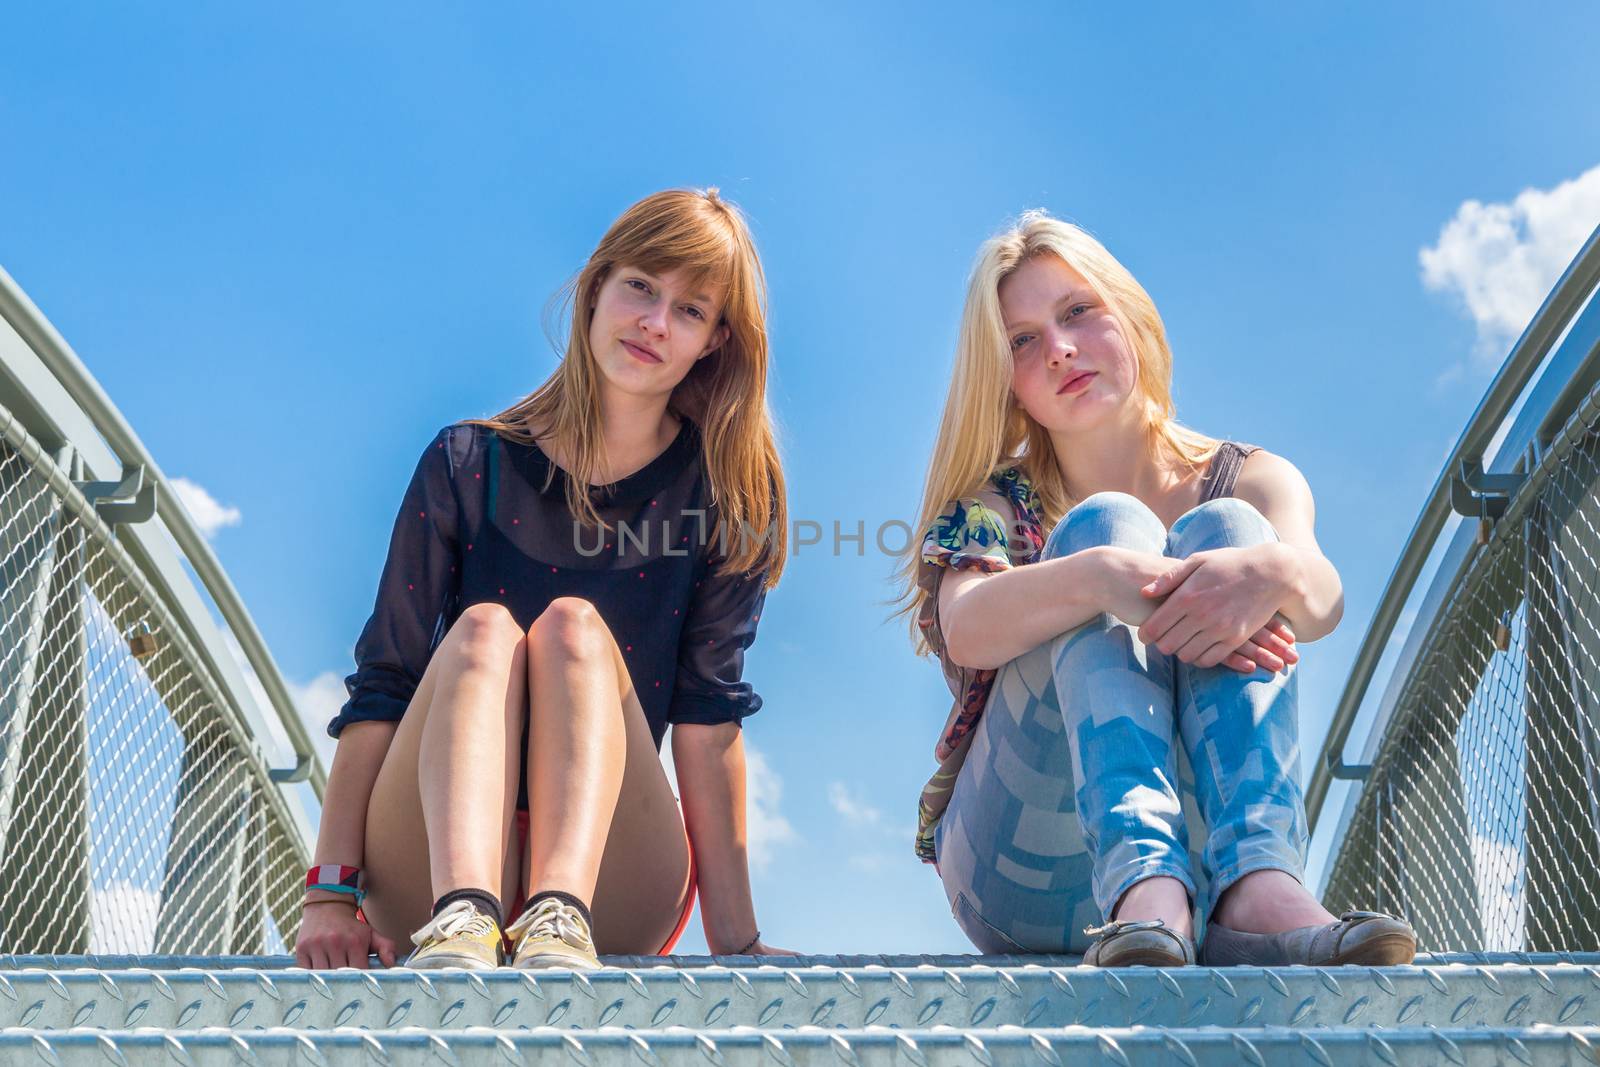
(560, 588)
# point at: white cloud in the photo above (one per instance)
(868, 822)
(853, 809)
(1502, 892)
(1502, 259)
(122, 918)
(880, 846)
(317, 701)
(207, 513)
(765, 827)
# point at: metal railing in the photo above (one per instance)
(139, 810)
(1477, 808)
(140, 473)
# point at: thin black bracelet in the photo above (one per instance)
(753, 941)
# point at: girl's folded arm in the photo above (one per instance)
(1279, 491)
(991, 618)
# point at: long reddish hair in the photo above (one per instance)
(724, 394)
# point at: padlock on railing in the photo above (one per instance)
(1502, 632)
(142, 642)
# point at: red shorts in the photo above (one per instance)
(688, 899)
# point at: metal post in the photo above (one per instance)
(28, 549)
(206, 853)
(46, 854)
(1561, 769)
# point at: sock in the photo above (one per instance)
(485, 901)
(566, 898)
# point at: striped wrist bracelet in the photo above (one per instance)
(359, 894)
(337, 878)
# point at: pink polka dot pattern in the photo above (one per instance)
(466, 546)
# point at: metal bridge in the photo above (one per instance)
(158, 797)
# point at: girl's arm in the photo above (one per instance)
(330, 935)
(711, 768)
(1315, 601)
(990, 618)
(1217, 593)
(415, 591)
(991, 612)
(342, 836)
(709, 701)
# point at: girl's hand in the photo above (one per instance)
(1126, 572)
(332, 936)
(763, 949)
(1222, 605)
(1135, 584)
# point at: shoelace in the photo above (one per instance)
(555, 919)
(459, 917)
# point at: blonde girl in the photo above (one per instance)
(1115, 599)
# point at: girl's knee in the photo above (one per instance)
(570, 628)
(484, 636)
(1223, 521)
(1106, 519)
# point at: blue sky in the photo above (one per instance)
(293, 244)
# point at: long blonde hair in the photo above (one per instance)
(983, 431)
(724, 394)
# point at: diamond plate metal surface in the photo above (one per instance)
(807, 1047)
(770, 997)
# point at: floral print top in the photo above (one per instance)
(974, 533)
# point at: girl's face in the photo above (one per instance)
(1072, 366)
(648, 330)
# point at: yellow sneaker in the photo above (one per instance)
(459, 936)
(552, 933)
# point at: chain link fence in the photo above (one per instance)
(1480, 818)
(136, 814)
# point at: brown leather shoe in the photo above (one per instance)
(1365, 938)
(1137, 943)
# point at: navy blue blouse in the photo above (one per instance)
(478, 525)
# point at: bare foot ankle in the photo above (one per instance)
(1269, 902)
(1158, 898)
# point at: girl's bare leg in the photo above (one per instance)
(604, 825)
(440, 816)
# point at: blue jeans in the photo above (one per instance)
(1074, 789)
